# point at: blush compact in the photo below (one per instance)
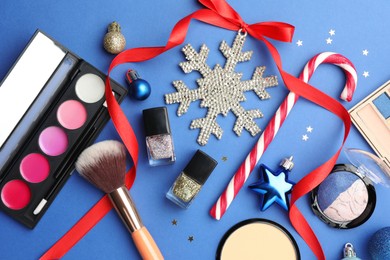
(347, 197)
(52, 105)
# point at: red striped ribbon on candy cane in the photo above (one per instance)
(246, 167)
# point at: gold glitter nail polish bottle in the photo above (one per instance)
(191, 179)
(159, 142)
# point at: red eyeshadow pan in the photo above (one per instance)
(34, 168)
(16, 194)
(71, 114)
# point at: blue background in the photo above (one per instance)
(81, 25)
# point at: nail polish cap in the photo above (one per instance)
(156, 121)
(200, 167)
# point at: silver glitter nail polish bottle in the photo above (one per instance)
(159, 142)
(191, 179)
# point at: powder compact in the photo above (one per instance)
(257, 239)
(347, 197)
(52, 106)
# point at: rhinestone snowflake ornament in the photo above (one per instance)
(220, 89)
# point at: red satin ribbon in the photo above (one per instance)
(221, 14)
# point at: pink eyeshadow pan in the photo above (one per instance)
(71, 114)
(16, 194)
(34, 168)
(53, 141)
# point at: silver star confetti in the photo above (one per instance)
(220, 89)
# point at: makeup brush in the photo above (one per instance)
(104, 165)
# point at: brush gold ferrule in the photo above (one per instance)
(124, 205)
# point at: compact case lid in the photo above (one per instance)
(370, 165)
(25, 81)
(156, 121)
(200, 167)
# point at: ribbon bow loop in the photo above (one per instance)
(275, 30)
(223, 9)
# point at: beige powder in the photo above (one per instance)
(259, 241)
(376, 129)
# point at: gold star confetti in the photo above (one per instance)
(224, 158)
(191, 238)
(174, 222)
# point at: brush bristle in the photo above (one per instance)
(104, 165)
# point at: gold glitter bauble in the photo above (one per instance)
(114, 41)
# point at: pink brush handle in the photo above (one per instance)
(246, 167)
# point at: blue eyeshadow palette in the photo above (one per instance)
(371, 116)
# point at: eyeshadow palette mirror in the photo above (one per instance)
(53, 106)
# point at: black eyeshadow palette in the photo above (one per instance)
(53, 103)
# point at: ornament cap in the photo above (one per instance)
(114, 27)
(132, 75)
(349, 251)
(287, 163)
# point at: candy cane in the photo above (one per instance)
(246, 167)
